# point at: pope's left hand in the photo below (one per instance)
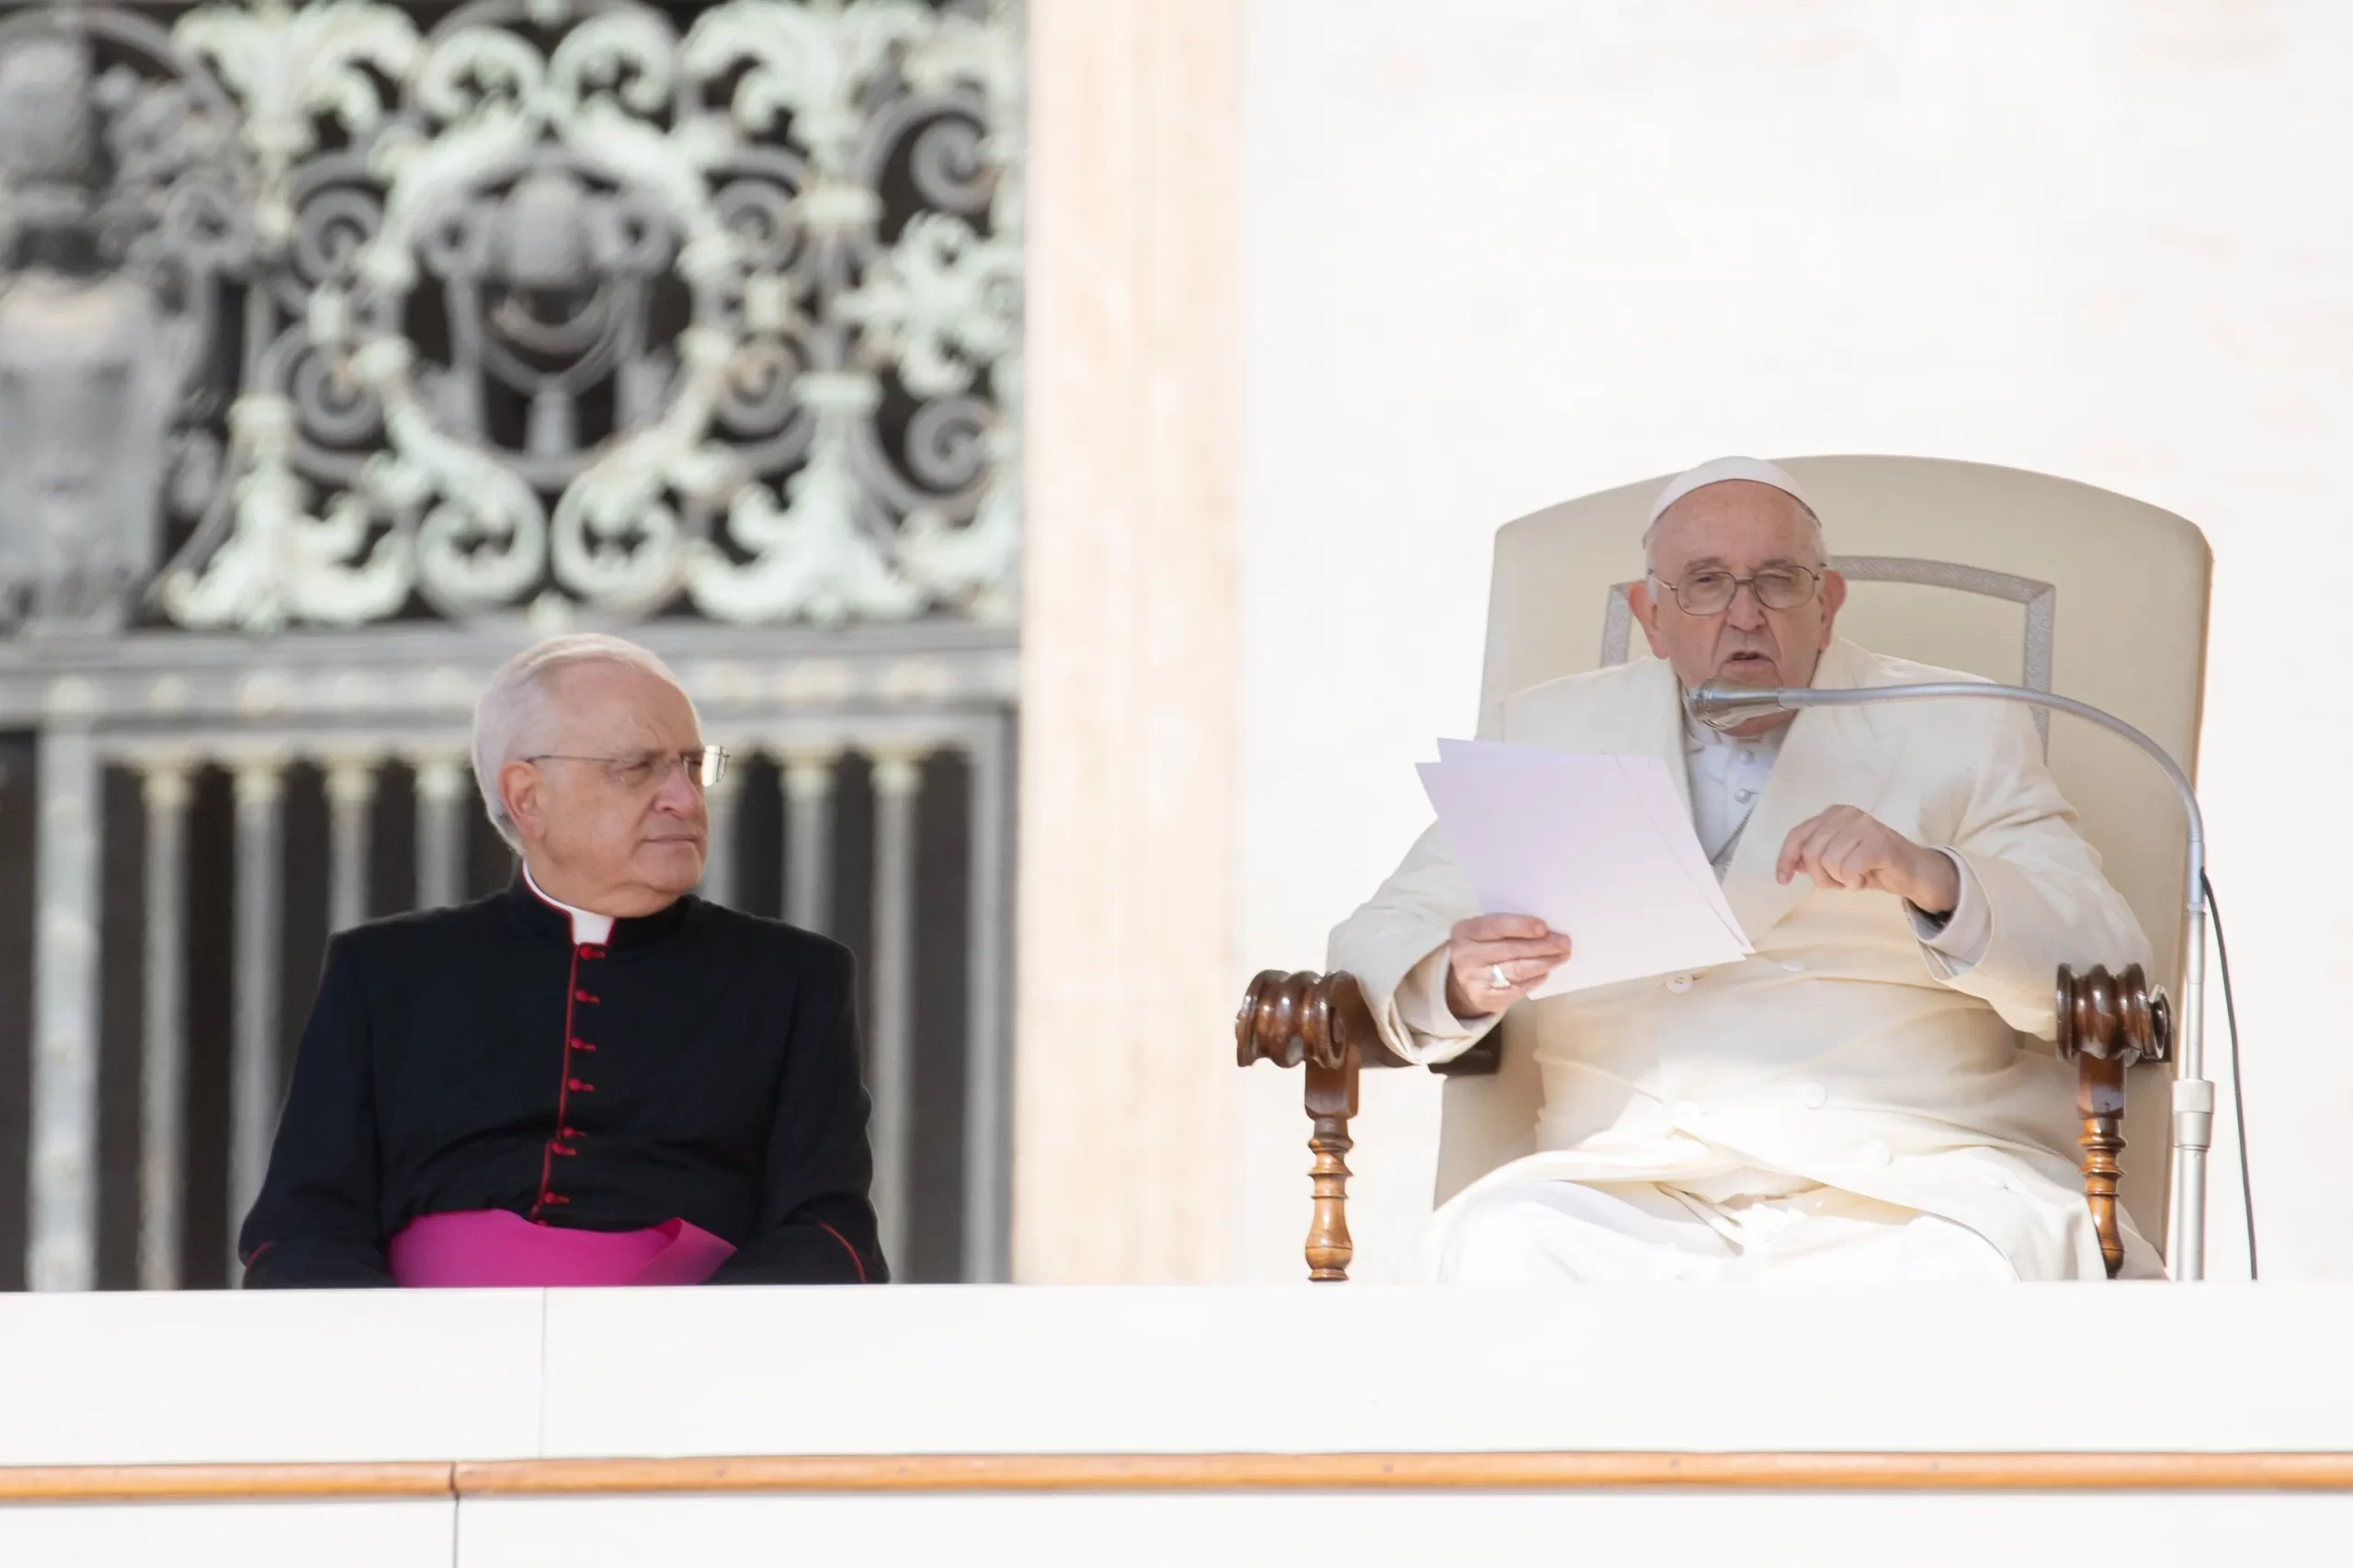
(1855, 851)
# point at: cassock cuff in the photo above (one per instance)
(1963, 936)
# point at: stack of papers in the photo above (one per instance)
(1597, 845)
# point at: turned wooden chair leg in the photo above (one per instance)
(2099, 1099)
(1331, 1102)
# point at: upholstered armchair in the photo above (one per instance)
(2019, 577)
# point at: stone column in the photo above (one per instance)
(807, 780)
(898, 779)
(441, 784)
(987, 1156)
(1127, 979)
(719, 865)
(351, 792)
(163, 1056)
(253, 1047)
(61, 1238)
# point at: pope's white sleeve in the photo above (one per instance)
(2044, 901)
(1961, 935)
(1420, 1000)
(1396, 946)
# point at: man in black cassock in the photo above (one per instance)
(593, 1077)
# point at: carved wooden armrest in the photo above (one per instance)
(1316, 1018)
(2106, 1024)
(1321, 1020)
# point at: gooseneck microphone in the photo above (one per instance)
(1721, 705)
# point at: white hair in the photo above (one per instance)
(513, 718)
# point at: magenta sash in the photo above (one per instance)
(493, 1246)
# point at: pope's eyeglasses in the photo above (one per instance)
(1776, 588)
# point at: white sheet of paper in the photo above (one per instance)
(1596, 845)
(1654, 786)
(1656, 789)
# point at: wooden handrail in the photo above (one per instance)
(1187, 1472)
(220, 1483)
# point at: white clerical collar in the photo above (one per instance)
(588, 928)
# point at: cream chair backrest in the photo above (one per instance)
(2019, 577)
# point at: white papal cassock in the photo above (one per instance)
(1858, 1098)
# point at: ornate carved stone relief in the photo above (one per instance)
(586, 310)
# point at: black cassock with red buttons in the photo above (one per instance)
(701, 1064)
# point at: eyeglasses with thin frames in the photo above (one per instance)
(704, 766)
(1776, 588)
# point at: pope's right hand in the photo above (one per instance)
(1518, 949)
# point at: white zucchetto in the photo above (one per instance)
(1715, 472)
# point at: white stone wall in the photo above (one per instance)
(559, 1387)
(1121, 1108)
(1504, 252)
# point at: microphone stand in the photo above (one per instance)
(1722, 706)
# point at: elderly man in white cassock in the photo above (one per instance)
(1856, 1101)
